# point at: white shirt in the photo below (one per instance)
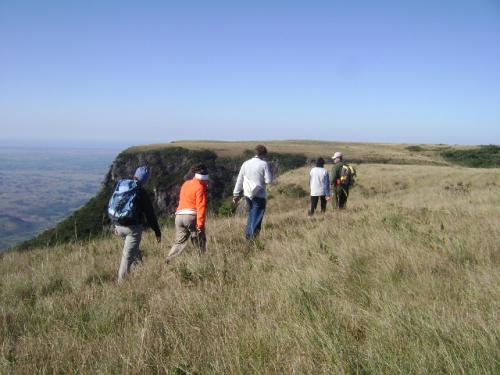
(257, 173)
(319, 181)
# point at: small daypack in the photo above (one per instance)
(347, 175)
(122, 206)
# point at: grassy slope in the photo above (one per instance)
(404, 281)
(366, 152)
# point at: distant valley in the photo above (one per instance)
(40, 187)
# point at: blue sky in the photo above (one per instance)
(155, 71)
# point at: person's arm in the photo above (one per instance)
(268, 176)
(239, 185)
(310, 180)
(201, 208)
(150, 214)
(326, 184)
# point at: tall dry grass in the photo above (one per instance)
(367, 152)
(406, 280)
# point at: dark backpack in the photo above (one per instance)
(122, 206)
(347, 174)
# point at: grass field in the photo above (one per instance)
(405, 281)
(366, 152)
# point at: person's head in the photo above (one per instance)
(200, 172)
(337, 157)
(142, 174)
(320, 162)
(261, 151)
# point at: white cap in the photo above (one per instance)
(337, 155)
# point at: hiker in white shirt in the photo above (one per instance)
(319, 181)
(254, 174)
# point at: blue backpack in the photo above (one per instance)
(122, 207)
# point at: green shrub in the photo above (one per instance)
(482, 157)
(292, 191)
(227, 208)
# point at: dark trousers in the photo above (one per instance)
(256, 210)
(341, 194)
(314, 204)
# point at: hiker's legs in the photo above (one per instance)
(335, 200)
(199, 241)
(343, 194)
(250, 207)
(261, 209)
(339, 196)
(314, 204)
(256, 210)
(131, 252)
(323, 203)
(184, 225)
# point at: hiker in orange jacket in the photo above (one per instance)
(191, 212)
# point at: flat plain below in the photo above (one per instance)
(40, 187)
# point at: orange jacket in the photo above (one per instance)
(194, 196)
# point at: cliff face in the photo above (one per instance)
(168, 167)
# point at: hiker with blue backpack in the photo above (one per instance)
(127, 208)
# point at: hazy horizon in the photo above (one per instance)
(63, 143)
(120, 145)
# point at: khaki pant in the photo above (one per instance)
(185, 228)
(131, 253)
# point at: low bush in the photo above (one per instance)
(482, 157)
(227, 208)
(292, 191)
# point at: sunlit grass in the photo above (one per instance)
(365, 152)
(403, 281)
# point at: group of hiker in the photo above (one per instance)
(130, 204)
(319, 182)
